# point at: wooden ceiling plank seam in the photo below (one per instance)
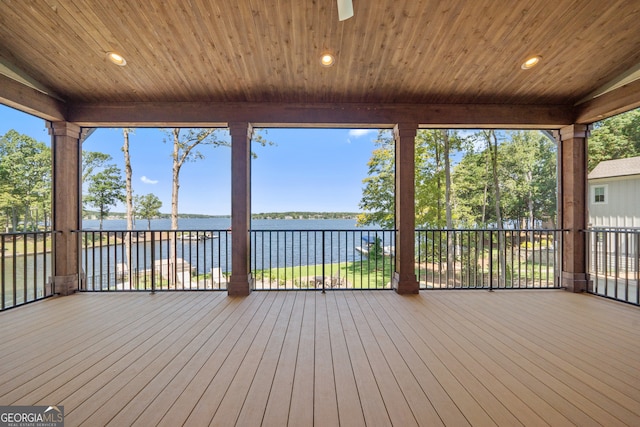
(62, 56)
(154, 53)
(124, 78)
(210, 51)
(370, 53)
(88, 21)
(23, 45)
(182, 55)
(252, 39)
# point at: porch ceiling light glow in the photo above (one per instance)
(116, 59)
(327, 59)
(531, 62)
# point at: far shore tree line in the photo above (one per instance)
(465, 179)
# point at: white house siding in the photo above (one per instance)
(615, 250)
(622, 202)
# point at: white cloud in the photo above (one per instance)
(147, 180)
(357, 133)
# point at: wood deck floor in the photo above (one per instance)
(345, 358)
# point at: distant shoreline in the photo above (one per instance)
(263, 215)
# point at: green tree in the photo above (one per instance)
(92, 160)
(528, 175)
(25, 170)
(616, 137)
(433, 192)
(148, 207)
(472, 186)
(378, 194)
(526, 178)
(105, 189)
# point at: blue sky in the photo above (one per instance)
(307, 169)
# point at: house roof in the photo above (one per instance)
(454, 62)
(618, 167)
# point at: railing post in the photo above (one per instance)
(491, 260)
(323, 262)
(153, 261)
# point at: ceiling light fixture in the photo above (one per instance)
(531, 62)
(327, 59)
(116, 59)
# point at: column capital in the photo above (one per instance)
(64, 129)
(405, 130)
(240, 129)
(574, 131)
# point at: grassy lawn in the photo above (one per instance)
(39, 245)
(356, 275)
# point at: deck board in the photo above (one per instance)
(342, 358)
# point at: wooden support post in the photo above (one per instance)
(240, 283)
(67, 204)
(404, 278)
(573, 206)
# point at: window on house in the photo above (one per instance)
(599, 194)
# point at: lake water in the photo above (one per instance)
(274, 243)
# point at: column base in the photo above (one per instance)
(574, 282)
(240, 286)
(65, 285)
(405, 286)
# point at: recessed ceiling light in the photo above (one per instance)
(116, 59)
(327, 60)
(531, 62)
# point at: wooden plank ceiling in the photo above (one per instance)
(268, 51)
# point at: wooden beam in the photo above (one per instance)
(31, 101)
(216, 114)
(617, 101)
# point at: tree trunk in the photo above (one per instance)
(175, 179)
(492, 140)
(174, 207)
(530, 205)
(129, 196)
(447, 205)
(128, 173)
(486, 193)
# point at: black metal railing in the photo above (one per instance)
(154, 260)
(318, 260)
(322, 259)
(25, 267)
(612, 263)
(487, 259)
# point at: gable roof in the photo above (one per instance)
(618, 167)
